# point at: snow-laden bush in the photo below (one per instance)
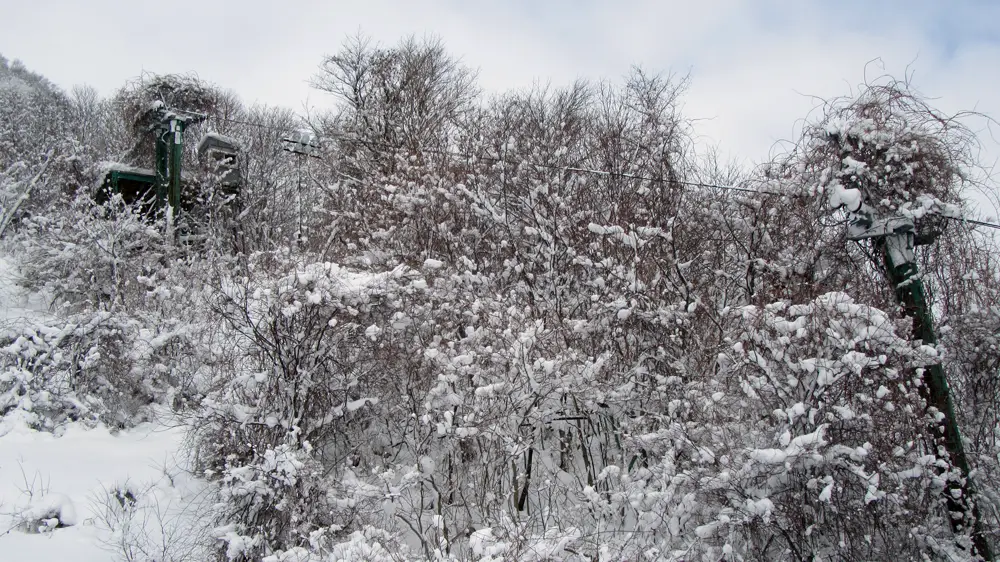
(369, 544)
(564, 394)
(151, 522)
(888, 148)
(97, 367)
(807, 437)
(80, 370)
(972, 341)
(126, 327)
(274, 500)
(812, 442)
(90, 256)
(289, 415)
(39, 510)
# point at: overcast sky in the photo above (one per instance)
(754, 64)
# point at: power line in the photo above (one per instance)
(975, 222)
(499, 160)
(606, 173)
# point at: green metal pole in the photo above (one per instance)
(910, 294)
(176, 140)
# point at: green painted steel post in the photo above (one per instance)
(910, 294)
(176, 139)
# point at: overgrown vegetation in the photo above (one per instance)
(448, 338)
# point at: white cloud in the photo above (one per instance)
(754, 63)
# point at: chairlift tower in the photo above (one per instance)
(155, 190)
(896, 238)
(168, 128)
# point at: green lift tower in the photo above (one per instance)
(135, 184)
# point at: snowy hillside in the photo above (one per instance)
(59, 489)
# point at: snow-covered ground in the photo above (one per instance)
(59, 492)
(70, 477)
